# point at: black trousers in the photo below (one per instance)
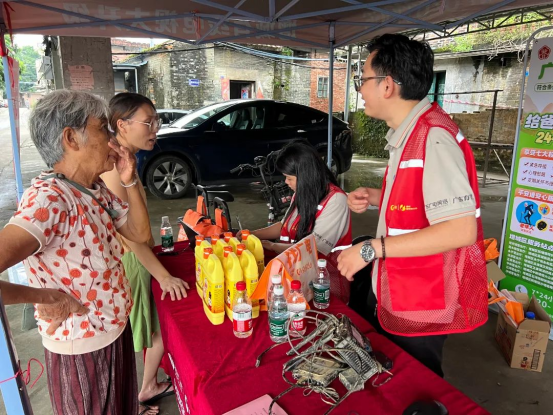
(426, 349)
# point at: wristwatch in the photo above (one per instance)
(367, 251)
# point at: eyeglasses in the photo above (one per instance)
(153, 126)
(358, 81)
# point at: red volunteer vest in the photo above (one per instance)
(288, 233)
(436, 294)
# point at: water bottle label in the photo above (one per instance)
(198, 273)
(277, 327)
(242, 321)
(167, 241)
(322, 295)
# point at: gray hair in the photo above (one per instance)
(58, 110)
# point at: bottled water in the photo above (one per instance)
(242, 312)
(278, 316)
(275, 279)
(166, 235)
(296, 307)
(321, 286)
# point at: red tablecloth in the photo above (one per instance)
(214, 372)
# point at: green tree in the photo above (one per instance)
(26, 57)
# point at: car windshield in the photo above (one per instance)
(198, 117)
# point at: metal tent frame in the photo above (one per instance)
(325, 25)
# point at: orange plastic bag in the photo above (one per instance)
(490, 245)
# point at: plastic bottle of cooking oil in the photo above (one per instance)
(253, 243)
(201, 244)
(231, 240)
(251, 275)
(214, 287)
(233, 274)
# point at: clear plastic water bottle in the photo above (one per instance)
(275, 279)
(166, 235)
(321, 286)
(278, 316)
(296, 307)
(242, 323)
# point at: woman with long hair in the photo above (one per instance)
(318, 206)
(134, 121)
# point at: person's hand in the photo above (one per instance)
(268, 245)
(59, 310)
(126, 162)
(358, 200)
(350, 261)
(239, 235)
(175, 287)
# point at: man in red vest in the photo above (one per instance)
(429, 275)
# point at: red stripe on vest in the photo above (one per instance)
(435, 294)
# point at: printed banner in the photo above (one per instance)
(527, 257)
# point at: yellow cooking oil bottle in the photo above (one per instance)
(201, 244)
(251, 274)
(218, 244)
(233, 274)
(253, 243)
(232, 241)
(214, 287)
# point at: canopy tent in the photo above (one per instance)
(308, 23)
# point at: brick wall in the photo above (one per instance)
(475, 126)
(320, 69)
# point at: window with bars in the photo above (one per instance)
(322, 87)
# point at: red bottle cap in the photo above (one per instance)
(296, 285)
(207, 252)
(240, 248)
(241, 286)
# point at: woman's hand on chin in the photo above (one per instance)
(126, 162)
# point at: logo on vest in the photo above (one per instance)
(402, 208)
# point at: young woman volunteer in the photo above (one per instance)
(318, 206)
(134, 121)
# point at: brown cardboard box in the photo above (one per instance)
(524, 346)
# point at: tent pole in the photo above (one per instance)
(330, 95)
(348, 81)
(11, 102)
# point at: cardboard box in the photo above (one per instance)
(523, 347)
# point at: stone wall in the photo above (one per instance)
(477, 73)
(475, 126)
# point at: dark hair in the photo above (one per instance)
(407, 61)
(313, 180)
(123, 106)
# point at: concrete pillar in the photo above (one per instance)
(84, 64)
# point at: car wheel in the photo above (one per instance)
(169, 177)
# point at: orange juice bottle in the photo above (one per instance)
(214, 283)
(251, 274)
(201, 244)
(255, 246)
(232, 241)
(233, 274)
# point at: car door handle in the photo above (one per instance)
(301, 131)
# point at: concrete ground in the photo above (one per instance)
(472, 362)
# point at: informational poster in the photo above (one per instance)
(81, 77)
(225, 88)
(527, 257)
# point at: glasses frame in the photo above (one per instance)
(149, 124)
(359, 81)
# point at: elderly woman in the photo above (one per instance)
(64, 230)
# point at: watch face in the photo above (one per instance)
(367, 252)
